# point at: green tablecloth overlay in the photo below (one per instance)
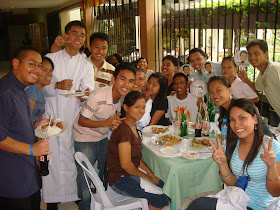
(183, 177)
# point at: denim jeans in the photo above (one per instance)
(93, 151)
(130, 186)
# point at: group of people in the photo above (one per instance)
(124, 99)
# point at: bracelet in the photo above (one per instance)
(273, 179)
(31, 149)
(149, 171)
(225, 175)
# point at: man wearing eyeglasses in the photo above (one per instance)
(20, 182)
(72, 72)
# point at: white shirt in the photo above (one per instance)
(241, 89)
(174, 102)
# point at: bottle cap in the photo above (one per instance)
(225, 120)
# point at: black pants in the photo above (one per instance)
(30, 203)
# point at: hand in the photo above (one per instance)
(268, 157)
(65, 84)
(61, 40)
(41, 147)
(116, 122)
(243, 75)
(153, 180)
(218, 155)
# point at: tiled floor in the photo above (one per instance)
(186, 202)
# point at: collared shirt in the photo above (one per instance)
(98, 107)
(241, 89)
(269, 83)
(18, 172)
(103, 76)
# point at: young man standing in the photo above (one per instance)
(103, 70)
(72, 71)
(20, 182)
(97, 116)
(269, 78)
(197, 58)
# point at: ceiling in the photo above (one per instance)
(16, 4)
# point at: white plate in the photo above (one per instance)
(42, 134)
(191, 155)
(157, 136)
(149, 130)
(204, 148)
(70, 93)
(170, 151)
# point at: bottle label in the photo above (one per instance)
(205, 124)
(177, 124)
(42, 158)
(197, 126)
(224, 131)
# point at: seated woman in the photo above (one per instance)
(249, 154)
(240, 89)
(36, 97)
(124, 156)
(157, 89)
(220, 93)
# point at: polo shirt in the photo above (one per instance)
(102, 76)
(268, 82)
(98, 107)
(241, 89)
(18, 172)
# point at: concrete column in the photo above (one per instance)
(88, 22)
(147, 31)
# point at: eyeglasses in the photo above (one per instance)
(32, 65)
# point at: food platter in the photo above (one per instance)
(201, 144)
(170, 151)
(74, 93)
(166, 139)
(41, 132)
(153, 128)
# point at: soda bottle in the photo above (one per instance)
(177, 123)
(44, 165)
(198, 125)
(184, 126)
(206, 124)
(211, 111)
(224, 132)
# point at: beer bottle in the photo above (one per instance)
(198, 126)
(184, 126)
(44, 165)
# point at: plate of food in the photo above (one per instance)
(191, 155)
(55, 129)
(170, 151)
(202, 144)
(155, 129)
(166, 139)
(74, 93)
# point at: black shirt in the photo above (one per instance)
(161, 104)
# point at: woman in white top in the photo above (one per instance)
(240, 89)
(142, 63)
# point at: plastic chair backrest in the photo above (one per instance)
(91, 173)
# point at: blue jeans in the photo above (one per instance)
(130, 186)
(93, 151)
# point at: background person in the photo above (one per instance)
(248, 153)
(169, 67)
(239, 88)
(124, 156)
(156, 88)
(142, 63)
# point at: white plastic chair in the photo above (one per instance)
(108, 199)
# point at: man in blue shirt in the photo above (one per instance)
(19, 177)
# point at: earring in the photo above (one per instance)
(255, 126)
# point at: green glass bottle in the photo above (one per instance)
(184, 126)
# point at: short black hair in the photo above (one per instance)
(172, 59)
(139, 70)
(118, 57)
(20, 52)
(229, 58)
(124, 66)
(49, 60)
(194, 50)
(98, 35)
(262, 44)
(74, 23)
(141, 58)
(181, 74)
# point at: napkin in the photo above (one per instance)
(149, 187)
(214, 126)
